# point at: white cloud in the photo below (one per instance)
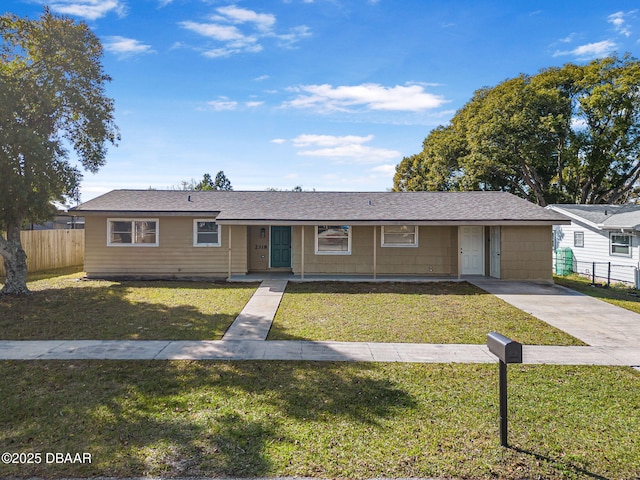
(125, 47)
(263, 21)
(590, 50)
(240, 30)
(370, 96)
(278, 141)
(348, 148)
(578, 123)
(388, 169)
(294, 35)
(223, 104)
(619, 21)
(261, 78)
(329, 140)
(253, 104)
(88, 9)
(568, 39)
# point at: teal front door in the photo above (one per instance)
(280, 247)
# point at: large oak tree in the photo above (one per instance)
(52, 101)
(569, 134)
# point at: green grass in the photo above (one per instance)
(619, 295)
(347, 420)
(69, 308)
(438, 312)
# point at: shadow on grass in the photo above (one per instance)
(408, 288)
(180, 418)
(122, 311)
(560, 464)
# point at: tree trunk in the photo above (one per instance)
(15, 263)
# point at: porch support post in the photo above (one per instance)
(229, 249)
(459, 252)
(375, 252)
(302, 253)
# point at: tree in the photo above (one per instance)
(568, 134)
(52, 98)
(436, 167)
(605, 144)
(297, 188)
(221, 182)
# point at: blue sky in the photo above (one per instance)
(325, 94)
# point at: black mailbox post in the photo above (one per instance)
(508, 351)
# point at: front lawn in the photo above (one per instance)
(327, 420)
(65, 307)
(619, 295)
(437, 312)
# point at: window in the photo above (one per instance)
(400, 236)
(127, 232)
(333, 240)
(578, 239)
(620, 244)
(206, 233)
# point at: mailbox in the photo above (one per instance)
(507, 350)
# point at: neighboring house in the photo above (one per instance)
(601, 237)
(61, 221)
(152, 233)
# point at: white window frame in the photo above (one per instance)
(612, 244)
(578, 239)
(133, 221)
(334, 252)
(195, 233)
(400, 245)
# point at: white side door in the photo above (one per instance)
(494, 244)
(471, 250)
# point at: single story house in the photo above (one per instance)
(604, 238)
(153, 233)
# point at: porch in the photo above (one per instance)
(288, 276)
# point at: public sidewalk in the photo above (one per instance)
(613, 334)
(304, 350)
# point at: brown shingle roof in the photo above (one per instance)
(325, 207)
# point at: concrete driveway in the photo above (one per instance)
(593, 321)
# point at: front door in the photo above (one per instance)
(280, 247)
(472, 251)
(494, 245)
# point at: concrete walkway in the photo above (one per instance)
(613, 334)
(254, 322)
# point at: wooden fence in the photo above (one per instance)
(49, 249)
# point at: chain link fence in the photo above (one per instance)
(604, 273)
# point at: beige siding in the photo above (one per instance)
(175, 256)
(435, 255)
(526, 253)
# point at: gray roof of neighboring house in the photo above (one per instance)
(604, 216)
(243, 207)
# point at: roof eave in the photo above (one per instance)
(435, 222)
(146, 213)
(574, 216)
